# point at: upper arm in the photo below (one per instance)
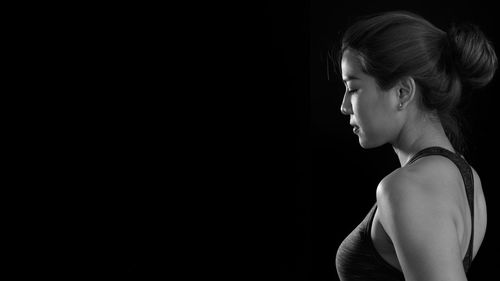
(420, 224)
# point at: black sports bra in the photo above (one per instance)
(357, 258)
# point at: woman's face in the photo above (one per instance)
(372, 111)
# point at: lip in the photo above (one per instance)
(355, 128)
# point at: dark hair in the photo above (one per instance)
(394, 45)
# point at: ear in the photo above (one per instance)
(406, 89)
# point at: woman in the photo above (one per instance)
(404, 78)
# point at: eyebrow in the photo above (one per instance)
(351, 77)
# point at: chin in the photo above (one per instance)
(366, 144)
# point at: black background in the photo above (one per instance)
(203, 139)
(335, 178)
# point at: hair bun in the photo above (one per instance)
(474, 55)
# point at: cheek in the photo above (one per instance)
(358, 105)
(372, 114)
(362, 107)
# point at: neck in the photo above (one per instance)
(426, 132)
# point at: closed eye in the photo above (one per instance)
(352, 91)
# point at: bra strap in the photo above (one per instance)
(468, 178)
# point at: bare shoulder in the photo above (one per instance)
(430, 187)
(417, 206)
(430, 179)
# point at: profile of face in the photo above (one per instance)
(373, 112)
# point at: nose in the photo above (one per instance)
(346, 107)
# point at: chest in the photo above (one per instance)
(382, 242)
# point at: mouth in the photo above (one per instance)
(355, 129)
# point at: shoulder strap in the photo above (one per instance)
(468, 178)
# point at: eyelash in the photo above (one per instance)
(351, 91)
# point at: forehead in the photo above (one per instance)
(351, 65)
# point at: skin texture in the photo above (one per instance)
(422, 225)
(368, 107)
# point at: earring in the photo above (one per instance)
(400, 106)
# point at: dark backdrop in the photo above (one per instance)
(335, 179)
